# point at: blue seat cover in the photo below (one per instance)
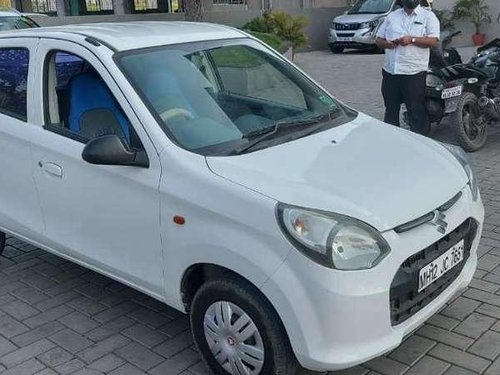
(88, 92)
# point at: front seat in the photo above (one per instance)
(93, 109)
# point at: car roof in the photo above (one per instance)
(123, 36)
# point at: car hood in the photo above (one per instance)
(364, 169)
(356, 18)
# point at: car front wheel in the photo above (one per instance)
(336, 49)
(238, 332)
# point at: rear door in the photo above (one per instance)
(19, 209)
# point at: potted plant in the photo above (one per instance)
(475, 11)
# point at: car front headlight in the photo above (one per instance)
(463, 159)
(333, 240)
(370, 24)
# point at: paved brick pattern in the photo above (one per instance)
(59, 318)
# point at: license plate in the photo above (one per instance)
(452, 92)
(438, 267)
(344, 39)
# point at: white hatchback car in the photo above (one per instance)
(193, 163)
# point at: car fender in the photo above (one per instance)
(223, 223)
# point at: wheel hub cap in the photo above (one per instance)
(233, 339)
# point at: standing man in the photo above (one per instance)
(407, 36)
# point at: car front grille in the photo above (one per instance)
(428, 217)
(405, 301)
(346, 26)
(345, 35)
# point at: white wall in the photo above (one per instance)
(492, 31)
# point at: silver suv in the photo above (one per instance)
(357, 28)
(11, 19)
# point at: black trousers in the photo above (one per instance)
(410, 90)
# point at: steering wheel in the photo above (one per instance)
(176, 112)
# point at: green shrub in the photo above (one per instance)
(290, 28)
(272, 40)
(281, 24)
(258, 25)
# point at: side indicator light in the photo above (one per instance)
(179, 220)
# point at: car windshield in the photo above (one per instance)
(215, 98)
(15, 22)
(371, 6)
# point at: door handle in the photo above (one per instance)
(51, 168)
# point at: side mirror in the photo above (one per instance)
(110, 150)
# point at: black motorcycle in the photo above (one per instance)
(487, 60)
(444, 55)
(454, 91)
(486, 65)
(464, 92)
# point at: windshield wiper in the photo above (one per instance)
(268, 132)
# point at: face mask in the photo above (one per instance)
(411, 4)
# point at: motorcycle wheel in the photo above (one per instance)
(2, 242)
(470, 126)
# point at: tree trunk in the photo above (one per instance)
(194, 10)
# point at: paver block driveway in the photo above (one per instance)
(59, 318)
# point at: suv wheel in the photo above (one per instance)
(2, 242)
(335, 49)
(237, 331)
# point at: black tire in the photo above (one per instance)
(2, 242)
(471, 128)
(336, 49)
(278, 355)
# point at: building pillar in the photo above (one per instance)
(62, 8)
(163, 6)
(25, 6)
(121, 7)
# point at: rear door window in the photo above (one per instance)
(14, 64)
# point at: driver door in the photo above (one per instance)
(106, 217)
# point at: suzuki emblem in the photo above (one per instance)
(439, 221)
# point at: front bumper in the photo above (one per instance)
(361, 38)
(338, 319)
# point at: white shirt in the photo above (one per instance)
(410, 59)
